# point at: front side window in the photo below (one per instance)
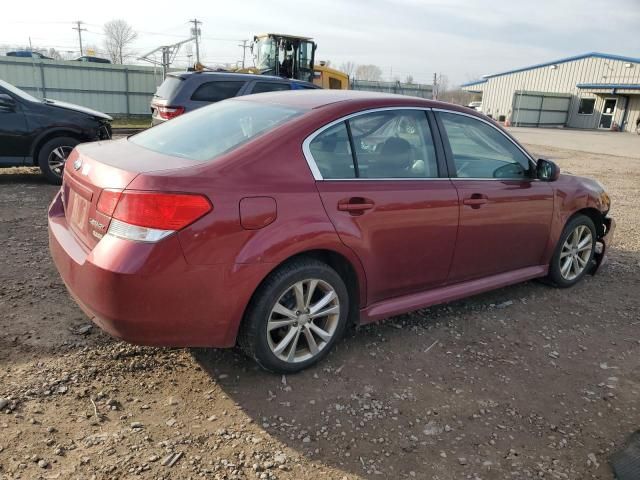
(481, 151)
(261, 87)
(207, 133)
(217, 91)
(587, 105)
(394, 144)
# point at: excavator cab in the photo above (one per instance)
(284, 56)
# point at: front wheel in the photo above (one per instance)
(53, 156)
(295, 317)
(574, 253)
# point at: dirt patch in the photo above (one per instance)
(527, 381)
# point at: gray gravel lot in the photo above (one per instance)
(527, 381)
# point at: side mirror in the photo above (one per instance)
(7, 101)
(547, 171)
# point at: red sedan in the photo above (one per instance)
(274, 221)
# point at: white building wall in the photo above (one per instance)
(498, 91)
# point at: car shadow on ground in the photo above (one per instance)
(380, 402)
(365, 408)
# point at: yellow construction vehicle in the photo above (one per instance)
(291, 56)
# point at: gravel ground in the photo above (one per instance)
(527, 381)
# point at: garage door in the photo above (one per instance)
(540, 109)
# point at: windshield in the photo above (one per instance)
(266, 54)
(16, 91)
(209, 132)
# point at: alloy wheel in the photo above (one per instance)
(576, 252)
(57, 159)
(303, 320)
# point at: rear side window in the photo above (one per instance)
(216, 91)
(331, 151)
(168, 87)
(261, 87)
(386, 144)
(394, 144)
(209, 132)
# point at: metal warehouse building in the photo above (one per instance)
(594, 90)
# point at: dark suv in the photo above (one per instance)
(43, 132)
(183, 92)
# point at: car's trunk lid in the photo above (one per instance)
(93, 167)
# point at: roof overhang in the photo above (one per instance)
(610, 88)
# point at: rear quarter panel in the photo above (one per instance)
(271, 166)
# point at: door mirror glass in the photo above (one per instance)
(547, 170)
(7, 102)
(510, 171)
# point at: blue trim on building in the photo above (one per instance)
(627, 86)
(556, 62)
(471, 84)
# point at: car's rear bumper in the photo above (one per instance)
(605, 242)
(156, 121)
(146, 293)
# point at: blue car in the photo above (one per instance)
(28, 54)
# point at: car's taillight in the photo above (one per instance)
(150, 216)
(169, 112)
(108, 201)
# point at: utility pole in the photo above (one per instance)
(244, 50)
(80, 30)
(195, 32)
(434, 91)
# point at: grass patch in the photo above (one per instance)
(131, 122)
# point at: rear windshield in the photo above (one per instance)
(168, 87)
(208, 132)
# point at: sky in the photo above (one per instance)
(462, 39)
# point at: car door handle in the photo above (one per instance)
(476, 200)
(355, 205)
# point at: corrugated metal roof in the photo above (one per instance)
(555, 62)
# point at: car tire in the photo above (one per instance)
(53, 155)
(276, 302)
(573, 257)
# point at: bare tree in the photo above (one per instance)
(119, 37)
(368, 72)
(348, 67)
(55, 54)
(458, 96)
(443, 83)
(409, 79)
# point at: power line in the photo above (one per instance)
(195, 32)
(244, 50)
(80, 30)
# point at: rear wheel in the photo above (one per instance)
(574, 253)
(295, 317)
(53, 156)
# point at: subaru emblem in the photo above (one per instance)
(77, 164)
